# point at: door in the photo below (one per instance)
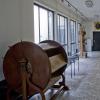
(96, 41)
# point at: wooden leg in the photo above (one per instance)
(24, 90)
(61, 84)
(66, 88)
(57, 93)
(43, 96)
(8, 97)
(23, 78)
(61, 87)
(37, 89)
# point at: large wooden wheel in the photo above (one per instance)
(35, 57)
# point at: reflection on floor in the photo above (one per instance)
(85, 85)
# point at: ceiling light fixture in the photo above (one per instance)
(89, 3)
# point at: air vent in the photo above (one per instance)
(89, 3)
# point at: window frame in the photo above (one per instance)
(73, 43)
(48, 10)
(78, 32)
(64, 26)
(65, 32)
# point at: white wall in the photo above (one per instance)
(89, 28)
(16, 24)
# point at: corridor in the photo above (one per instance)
(85, 85)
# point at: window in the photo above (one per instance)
(43, 24)
(78, 32)
(73, 37)
(62, 30)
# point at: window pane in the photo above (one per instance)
(74, 32)
(58, 32)
(78, 30)
(71, 30)
(62, 30)
(66, 30)
(62, 34)
(43, 24)
(73, 36)
(36, 24)
(77, 36)
(50, 15)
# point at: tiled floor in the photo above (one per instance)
(85, 85)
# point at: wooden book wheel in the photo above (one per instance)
(28, 67)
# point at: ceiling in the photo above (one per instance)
(92, 13)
